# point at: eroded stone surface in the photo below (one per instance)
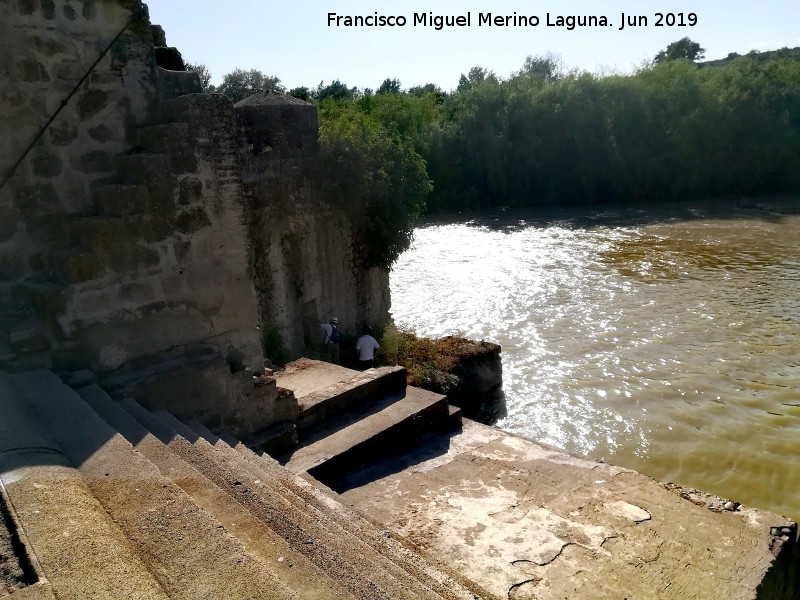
(528, 521)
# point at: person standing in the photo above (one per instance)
(330, 339)
(366, 347)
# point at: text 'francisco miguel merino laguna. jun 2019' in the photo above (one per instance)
(488, 19)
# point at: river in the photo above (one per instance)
(663, 340)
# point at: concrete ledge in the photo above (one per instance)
(349, 394)
(339, 447)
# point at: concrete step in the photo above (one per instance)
(349, 394)
(446, 584)
(294, 569)
(346, 442)
(71, 540)
(188, 551)
(337, 551)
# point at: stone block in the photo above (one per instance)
(190, 191)
(91, 102)
(37, 200)
(63, 134)
(32, 70)
(141, 168)
(69, 71)
(150, 227)
(27, 7)
(47, 165)
(159, 36)
(173, 84)
(102, 133)
(96, 161)
(169, 58)
(138, 292)
(85, 266)
(48, 9)
(121, 200)
(89, 11)
(192, 220)
(48, 46)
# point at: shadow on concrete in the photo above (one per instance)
(400, 457)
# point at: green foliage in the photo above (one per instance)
(684, 48)
(336, 90)
(239, 84)
(303, 93)
(389, 86)
(205, 76)
(379, 182)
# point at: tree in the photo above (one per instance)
(205, 76)
(389, 86)
(547, 67)
(336, 90)
(302, 93)
(475, 76)
(683, 48)
(239, 84)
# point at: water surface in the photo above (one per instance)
(665, 341)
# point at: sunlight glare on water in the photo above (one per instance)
(668, 345)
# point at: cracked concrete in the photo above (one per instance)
(528, 521)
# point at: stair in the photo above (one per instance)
(346, 442)
(73, 541)
(349, 418)
(157, 509)
(187, 551)
(294, 569)
(448, 585)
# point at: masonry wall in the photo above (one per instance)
(122, 232)
(304, 267)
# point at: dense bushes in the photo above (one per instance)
(378, 180)
(670, 131)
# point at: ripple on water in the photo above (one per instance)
(671, 347)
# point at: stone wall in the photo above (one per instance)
(122, 230)
(127, 236)
(303, 255)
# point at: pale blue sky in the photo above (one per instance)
(292, 39)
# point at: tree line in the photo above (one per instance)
(549, 136)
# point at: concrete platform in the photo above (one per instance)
(305, 376)
(529, 521)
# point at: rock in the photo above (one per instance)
(729, 505)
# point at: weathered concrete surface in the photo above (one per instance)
(529, 521)
(305, 376)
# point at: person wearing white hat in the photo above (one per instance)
(330, 339)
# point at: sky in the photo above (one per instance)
(294, 41)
